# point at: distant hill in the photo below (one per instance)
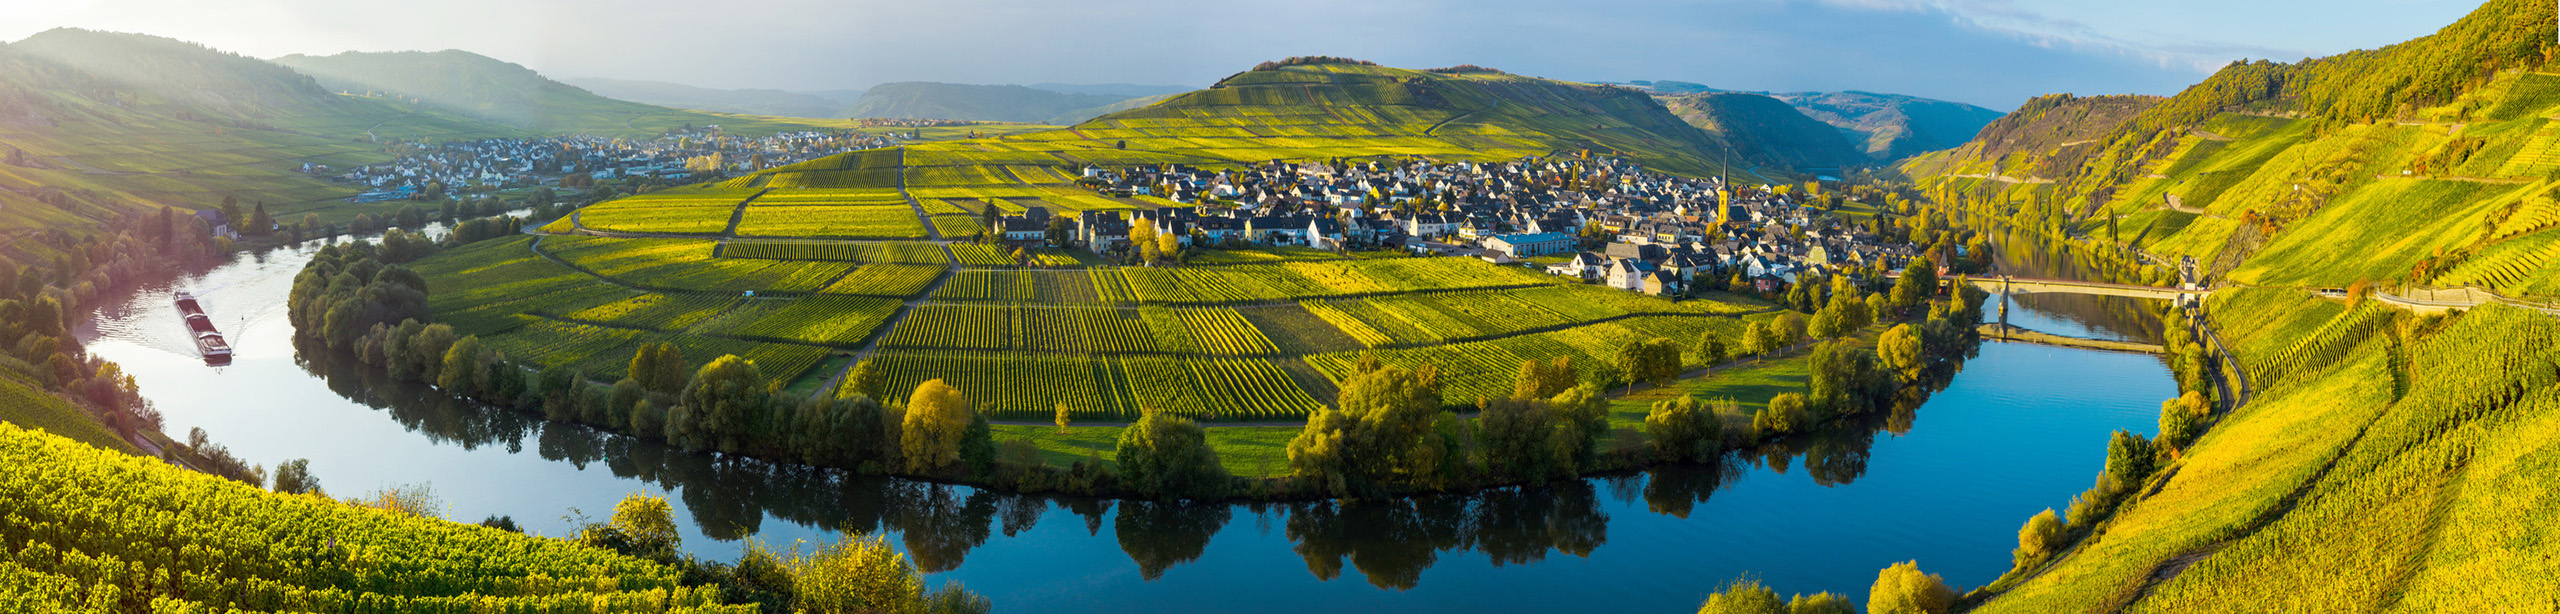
(1008, 103)
(1080, 115)
(100, 124)
(1892, 126)
(2046, 137)
(1766, 131)
(1886, 127)
(680, 96)
(494, 90)
(1124, 90)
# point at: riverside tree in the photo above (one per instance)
(1685, 429)
(1167, 456)
(1373, 434)
(725, 401)
(937, 417)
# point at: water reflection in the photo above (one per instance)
(1390, 542)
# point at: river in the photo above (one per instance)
(2022, 428)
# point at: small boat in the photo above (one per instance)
(200, 327)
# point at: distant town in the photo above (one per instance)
(578, 161)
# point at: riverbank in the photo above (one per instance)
(1995, 331)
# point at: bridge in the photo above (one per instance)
(2024, 285)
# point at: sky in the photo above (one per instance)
(1994, 53)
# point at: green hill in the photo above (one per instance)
(2429, 162)
(681, 96)
(1891, 127)
(2387, 460)
(1765, 131)
(33, 409)
(1005, 103)
(95, 125)
(481, 87)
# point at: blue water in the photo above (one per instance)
(2022, 428)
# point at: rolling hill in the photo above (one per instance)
(1886, 127)
(681, 96)
(1892, 127)
(1007, 103)
(1766, 131)
(96, 125)
(478, 86)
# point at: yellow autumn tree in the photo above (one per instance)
(937, 417)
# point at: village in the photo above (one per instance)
(579, 161)
(1604, 221)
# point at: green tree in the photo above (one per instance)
(1167, 456)
(1904, 589)
(858, 574)
(937, 418)
(1845, 380)
(1820, 603)
(2128, 460)
(1685, 429)
(865, 379)
(644, 366)
(1711, 349)
(672, 374)
(1582, 416)
(2183, 418)
(294, 477)
(1382, 415)
(1518, 436)
(1912, 290)
(726, 399)
(463, 367)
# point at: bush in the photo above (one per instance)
(2182, 419)
(1744, 597)
(2041, 536)
(1903, 589)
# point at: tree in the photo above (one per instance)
(1845, 380)
(1685, 429)
(865, 379)
(1582, 415)
(644, 366)
(726, 399)
(1785, 415)
(1820, 603)
(2128, 460)
(1919, 281)
(1744, 597)
(1755, 340)
(2182, 419)
(1169, 245)
(464, 367)
(1903, 589)
(1382, 414)
(856, 575)
(1788, 329)
(1062, 232)
(1518, 435)
(1167, 456)
(938, 417)
(1902, 350)
(1142, 237)
(1711, 349)
(1063, 415)
(294, 477)
(2038, 539)
(671, 378)
(649, 523)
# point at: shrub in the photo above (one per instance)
(1904, 589)
(2038, 539)
(1685, 429)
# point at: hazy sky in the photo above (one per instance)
(1994, 53)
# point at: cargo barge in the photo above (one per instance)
(208, 341)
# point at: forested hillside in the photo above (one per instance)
(1764, 131)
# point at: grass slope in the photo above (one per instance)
(1891, 127)
(35, 410)
(1766, 131)
(1006, 103)
(115, 123)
